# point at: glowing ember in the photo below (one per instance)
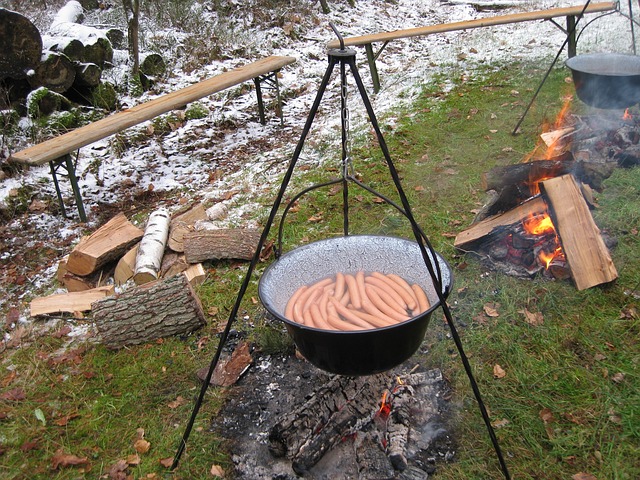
(385, 406)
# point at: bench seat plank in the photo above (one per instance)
(57, 147)
(481, 22)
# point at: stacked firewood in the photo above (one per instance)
(154, 271)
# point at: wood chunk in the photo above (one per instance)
(107, 243)
(583, 246)
(125, 267)
(147, 312)
(195, 274)
(69, 302)
(182, 223)
(151, 248)
(221, 243)
(497, 223)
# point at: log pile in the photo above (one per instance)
(68, 59)
(155, 284)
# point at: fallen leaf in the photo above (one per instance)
(177, 402)
(500, 423)
(133, 459)
(6, 381)
(63, 332)
(583, 476)
(61, 459)
(118, 470)
(217, 471)
(141, 445)
(166, 462)
(617, 377)
(498, 371)
(30, 445)
(63, 421)
(229, 372)
(491, 309)
(536, 319)
(14, 395)
(546, 415)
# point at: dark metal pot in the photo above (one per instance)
(606, 80)
(363, 352)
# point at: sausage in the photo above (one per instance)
(389, 298)
(349, 315)
(393, 297)
(403, 283)
(379, 320)
(318, 320)
(302, 299)
(423, 300)
(407, 297)
(385, 308)
(340, 324)
(338, 291)
(288, 311)
(353, 290)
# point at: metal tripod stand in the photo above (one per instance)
(345, 58)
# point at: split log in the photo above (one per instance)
(69, 302)
(152, 245)
(195, 274)
(588, 257)
(498, 224)
(219, 244)
(184, 222)
(106, 244)
(125, 267)
(55, 72)
(20, 44)
(75, 283)
(147, 312)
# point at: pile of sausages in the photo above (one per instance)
(359, 301)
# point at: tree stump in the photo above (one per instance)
(148, 312)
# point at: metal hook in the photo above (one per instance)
(340, 39)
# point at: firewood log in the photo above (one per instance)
(20, 43)
(152, 245)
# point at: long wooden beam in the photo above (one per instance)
(468, 24)
(57, 147)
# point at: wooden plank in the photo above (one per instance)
(492, 225)
(80, 137)
(69, 302)
(468, 24)
(583, 246)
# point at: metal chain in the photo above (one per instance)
(346, 145)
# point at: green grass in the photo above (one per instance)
(580, 366)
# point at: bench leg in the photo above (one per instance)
(66, 162)
(271, 80)
(371, 58)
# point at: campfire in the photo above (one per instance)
(538, 221)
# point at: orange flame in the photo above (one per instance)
(627, 115)
(547, 257)
(538, 224)
(385, 405)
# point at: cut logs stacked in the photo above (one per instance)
(67, 60)
(155, 276)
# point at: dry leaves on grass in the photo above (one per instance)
(532, 318)
(498, 371)
(217, 471)
(491, 309)
(546, 415)
(583, 476)
(61, 459)
(140, 444)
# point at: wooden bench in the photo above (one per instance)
(57, 151)
(569, 12)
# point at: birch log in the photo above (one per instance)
(152, 245)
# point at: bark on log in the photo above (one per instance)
(158, 309)
(55, 72)
(152, 245)
(71, 47)
(87, 75)
(106, 244)
(219, 244)
(20, 45)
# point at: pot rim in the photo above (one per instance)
(445, 287)
(592, 63)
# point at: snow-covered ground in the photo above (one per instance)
(230, 150)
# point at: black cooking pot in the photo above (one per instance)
(606, 80)
(360, 352)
